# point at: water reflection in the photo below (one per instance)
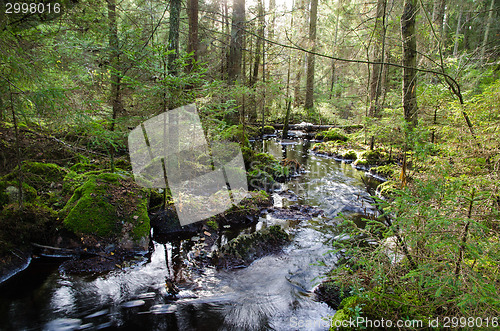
(273, 293)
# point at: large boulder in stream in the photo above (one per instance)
(246, 248)
(112, 207)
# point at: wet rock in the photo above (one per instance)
(246, 248)
(296, 212)
(166, 226)
(330, 294)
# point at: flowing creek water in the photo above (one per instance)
(273, 293)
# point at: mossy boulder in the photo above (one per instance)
(246, 248)
(387, 171)
(110, 206)
(375, 157)
(350, 155)
(236, 133)
(264, 170)
(268, 129)
(247, 211)
(332, 135)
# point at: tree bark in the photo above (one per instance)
(114, 60)
(487, 31)
(310, 57)
(236, 45)
(409, 61)
(173, 35)
(438, 15)
(192, 47)
(378, 55)
(457, 32)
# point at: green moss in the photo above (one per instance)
(350, 155)
(104, 204)
(387, 171)
(83, 167)
(213, 224)
(388, 188)
(268, 129)
(361, 162)
(235, 133)
(247, 247)
(38, 175)
(375, 157)
(332, 135)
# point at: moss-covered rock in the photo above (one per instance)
(111, 206)
(235, 133)
(350, 155)
(332, 135)
(375, 157)
(264, 170)
(387, 171)
(268, 129)
(246, 248)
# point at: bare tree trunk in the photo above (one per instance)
(310, 57)
(334, 78)
(18, 153)
(173, 35)
(409, 61)
(457, 32)
(438, 15)
(192, 47)
(236, 46)
(114, 60)
(255, 73)
(487, 31)
(378, 55)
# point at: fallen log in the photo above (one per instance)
(307, 127)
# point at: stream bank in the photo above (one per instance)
(274, 292)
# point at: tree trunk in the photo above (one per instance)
(334, 78)
(313, 19)
(457, 32)
(114, 60)
(173, 35)
(378, 56)
(192, 47)
(487, 31)
(236, 45)
(255, 73)
(409, 61)
(438, 15)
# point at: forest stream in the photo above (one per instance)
(275, 292)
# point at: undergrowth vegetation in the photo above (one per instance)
(435, 251)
